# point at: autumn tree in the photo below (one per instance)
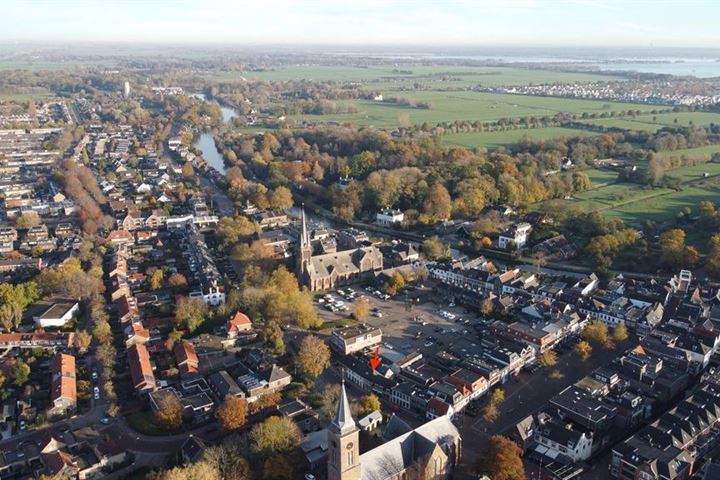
(285, 302)
(275, 435)
(27, 220)
(361, 308)
(188, 171)
(548, 358)
(395, 284)
(313, 356)
(177, 281)
(19, 372)
(501, 460)
(280, 198)
(438, 204)
(620, 333)
(277, 467)
(190, 313)
(583, 349)
(232, 412)
(169, 413)
(272, 334)
(492, 409)
(228, 460)
(264, 402)
(368, 404)
(673, 251)
(433, 248)
(195, 471)
(596, 333)
(713, 257)
(156, 279)
(329, 398)
(14, 299)
(82, 341)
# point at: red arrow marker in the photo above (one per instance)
(375, 361)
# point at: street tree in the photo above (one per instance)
(313, 356)
(232, 412)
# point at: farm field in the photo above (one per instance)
(442, 76)
(493, 140)
(653, 123)
(451, 106)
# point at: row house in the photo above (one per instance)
(672, 446)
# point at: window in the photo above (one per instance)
(438, 467)
(350, 458)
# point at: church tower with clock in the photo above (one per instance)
(343, 447)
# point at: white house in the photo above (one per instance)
(554, 439)
(57, 315)
(517, 236)
(389, 216)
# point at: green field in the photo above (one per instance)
(6, 96)
(699, 152)
(443, 76)
(636, 203)
(667, 205)
(653, 123)
(601, 177)
(492, 140)
(450, 106)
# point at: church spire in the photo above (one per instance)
(343, 422)
(304, 234)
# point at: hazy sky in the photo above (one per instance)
(341, 22)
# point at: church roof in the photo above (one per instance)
(403, 451)
(343, 422)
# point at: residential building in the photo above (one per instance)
(141, 369)
(515, 237)
(355, 338)
(63, 385)
(389, 217)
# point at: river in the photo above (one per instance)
(206, 142)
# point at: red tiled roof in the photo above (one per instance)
(139, 330)
(63, 384)
(140, 367)
(127, 306)
(239, 320)
(186, 357)
(120, 236)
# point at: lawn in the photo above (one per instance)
(451, 106)
(492, 140)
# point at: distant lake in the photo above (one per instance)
(697, 68)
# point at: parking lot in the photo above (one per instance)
(407, 325)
